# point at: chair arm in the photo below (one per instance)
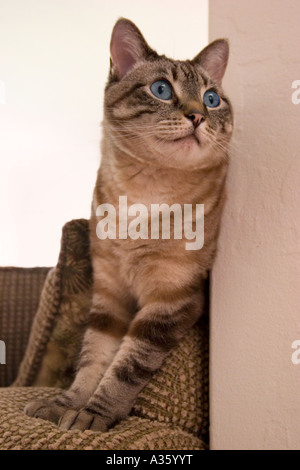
(20, 290)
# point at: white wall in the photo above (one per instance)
(255, 293)
(53, 66)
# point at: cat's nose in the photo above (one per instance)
(195, 117)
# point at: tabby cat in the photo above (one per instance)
(166, 129)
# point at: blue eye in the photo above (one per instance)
(162, 90)
(211, 99)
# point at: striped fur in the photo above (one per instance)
(147, 293)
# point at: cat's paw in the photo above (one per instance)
(82, 420)
(45, 409)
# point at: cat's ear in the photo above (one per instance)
(127, 47)
(213, 59)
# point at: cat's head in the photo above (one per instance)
(167, 112)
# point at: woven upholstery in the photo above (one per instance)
(19, 298)
(59, 324)
(19, 432)
(41, 329)
(170, 413)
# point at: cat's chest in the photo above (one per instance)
(142, 262)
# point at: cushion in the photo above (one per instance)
(173, 406)
(58, 327)
(19, 296)
(19, 432)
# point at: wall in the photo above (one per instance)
(255, 287)
(54, 59)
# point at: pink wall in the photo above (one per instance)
(255, 291)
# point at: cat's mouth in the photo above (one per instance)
(188, 138)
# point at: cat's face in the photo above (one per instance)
(166, 112)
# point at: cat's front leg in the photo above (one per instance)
(107, 323)
(156, 329)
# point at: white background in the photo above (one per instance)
(54, 58)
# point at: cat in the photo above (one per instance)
(166, 131)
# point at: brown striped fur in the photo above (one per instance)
(147, 293)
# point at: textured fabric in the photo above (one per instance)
(19, 432)
(60, 320)
(178, 393)
(41, 329)
(20, 290)
(171, 413)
